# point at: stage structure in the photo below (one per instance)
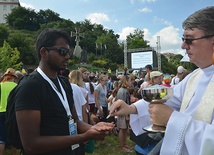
(125, 55)
(159, 53)
(140, 57)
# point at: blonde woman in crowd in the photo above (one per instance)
(123, 121)
(85, 75)
(75, 77)
(100, 95)
(80, 100)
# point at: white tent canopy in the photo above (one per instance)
(185, 58)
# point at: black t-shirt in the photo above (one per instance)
(55, 81)
(35, 93)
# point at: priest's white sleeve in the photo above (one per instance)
(187, 136)
(207, 144)
(141, 119)
(175, 134)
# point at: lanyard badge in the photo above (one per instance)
(73, 131)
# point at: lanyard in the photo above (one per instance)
(62, 98)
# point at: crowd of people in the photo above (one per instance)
(93, 96)
(62, 110)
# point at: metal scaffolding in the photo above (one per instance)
(125, 55)
(159, 53)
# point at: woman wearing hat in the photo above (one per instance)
(154, 77)
(6, 85)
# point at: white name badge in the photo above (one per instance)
(73, 131)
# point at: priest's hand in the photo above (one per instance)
(159, 114)
(120, 108)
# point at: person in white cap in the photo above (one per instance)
(155, 77)
(188, 115)
(181, 74)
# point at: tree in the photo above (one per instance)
(22, 18)
(4, 33)
(47, 16)
(9, 58)
(136, 40)
(106, 41)
(166, 66)
(66, 25)
(24, 42)
(109, 46)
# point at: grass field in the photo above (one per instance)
(111, 147)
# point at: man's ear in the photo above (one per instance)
(43, 51)
(213, 58)
(212, 40)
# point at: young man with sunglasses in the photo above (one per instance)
(46, 116)
(188, 115)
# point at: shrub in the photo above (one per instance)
(100, 63)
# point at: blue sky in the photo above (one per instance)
(156, 17)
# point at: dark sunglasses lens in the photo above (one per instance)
(187, 41)
(64, 52)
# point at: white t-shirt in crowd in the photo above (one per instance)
(91, 99)
(79, 100)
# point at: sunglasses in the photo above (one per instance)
(62, 51)
(189, 41)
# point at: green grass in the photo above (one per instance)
(111, 147)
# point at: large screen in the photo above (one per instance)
(141, 59)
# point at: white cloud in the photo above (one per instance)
(169, 35)
(98, 18)
(150, 1)
(170, 41)
(29, 6)
(132, 1)
(165, 22)
(145, 10)
(125, 32)
(147, 35)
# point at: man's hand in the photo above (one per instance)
(99, 130)
(103, 126)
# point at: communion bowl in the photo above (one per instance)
(156, 94)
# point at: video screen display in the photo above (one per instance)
(141, 59)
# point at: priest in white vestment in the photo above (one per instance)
(188, 114)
